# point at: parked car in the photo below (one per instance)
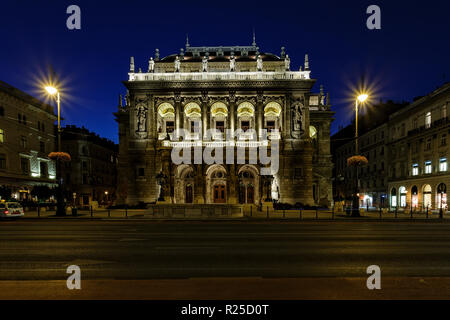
(11, 210)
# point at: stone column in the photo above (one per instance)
(205, 112)
(178, 111)
(259, 113)
(232, 111)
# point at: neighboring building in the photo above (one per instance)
(407, 151)
(223, 88)
(92, 173)
(26, 138)
(419, 152)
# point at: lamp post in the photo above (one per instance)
(60, 211)
(355, 206)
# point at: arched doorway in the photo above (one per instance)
(427, 196)
(248, 185)
(250, 194)
(393, 198)
(216, 184)
(414, 197)
(402, 192)
(219, 193)
(441, 196)
(189, 198)
(184, 184)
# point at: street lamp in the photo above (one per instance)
(361, 98)
(53, 91)
(355, 207)
(60, 201)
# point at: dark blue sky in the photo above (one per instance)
(408, 57)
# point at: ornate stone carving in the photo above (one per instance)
(141, 121)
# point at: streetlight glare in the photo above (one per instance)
(51, 90)
(363, 97)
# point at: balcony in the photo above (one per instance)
(201, 76)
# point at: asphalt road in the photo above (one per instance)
(42, 250)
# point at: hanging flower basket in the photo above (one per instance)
(63, 156)
(357, 161)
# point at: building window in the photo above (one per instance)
(23, 141)
(415, 123)
(270, 125)
(25, 165)
(415, 169)
(428, 120)
(19, 117)
(2, 161)
(220, 125)
(141, 172)
(443, 164)
(428, 144)
(245, 125)
(43, 168)
(444, 140)
(39, 125)
(170, 126)
(24, 119)
(2, 135)
(444, 111)
(42, 146)
(428, 168)
(2, 111)
(195, 126)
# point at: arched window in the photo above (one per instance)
(394, 197)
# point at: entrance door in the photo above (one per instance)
(250, 194)
(219, 193)
(188, 195)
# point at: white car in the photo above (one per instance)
(11, 210)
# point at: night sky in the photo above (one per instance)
(408, 57)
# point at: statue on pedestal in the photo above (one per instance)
(297, 118)
(205, 64)
(141, 117)
(232, 63)
(151, 65)
(287, 63)
(259, 63)
(177, 64)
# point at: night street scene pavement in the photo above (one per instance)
(224, 260)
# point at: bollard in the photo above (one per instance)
(284, 214)
(267, 209)
(317, 214)
(109, 213)
(39, 211)
(92, 213)
(301, 217)
(126, 211)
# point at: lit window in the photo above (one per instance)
(2, 135)
(444, 111)
(427, 167)
(443, 164)
(415, 169)
(428, 120)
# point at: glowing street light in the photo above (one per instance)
(53, 91)
(361, 98)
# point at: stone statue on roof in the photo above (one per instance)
(287, 63)
(259, 63)
(232, 63)
(151, 65)
(177, 64)
(205, 64)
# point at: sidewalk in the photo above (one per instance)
(288, 215)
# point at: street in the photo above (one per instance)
(35, 251)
